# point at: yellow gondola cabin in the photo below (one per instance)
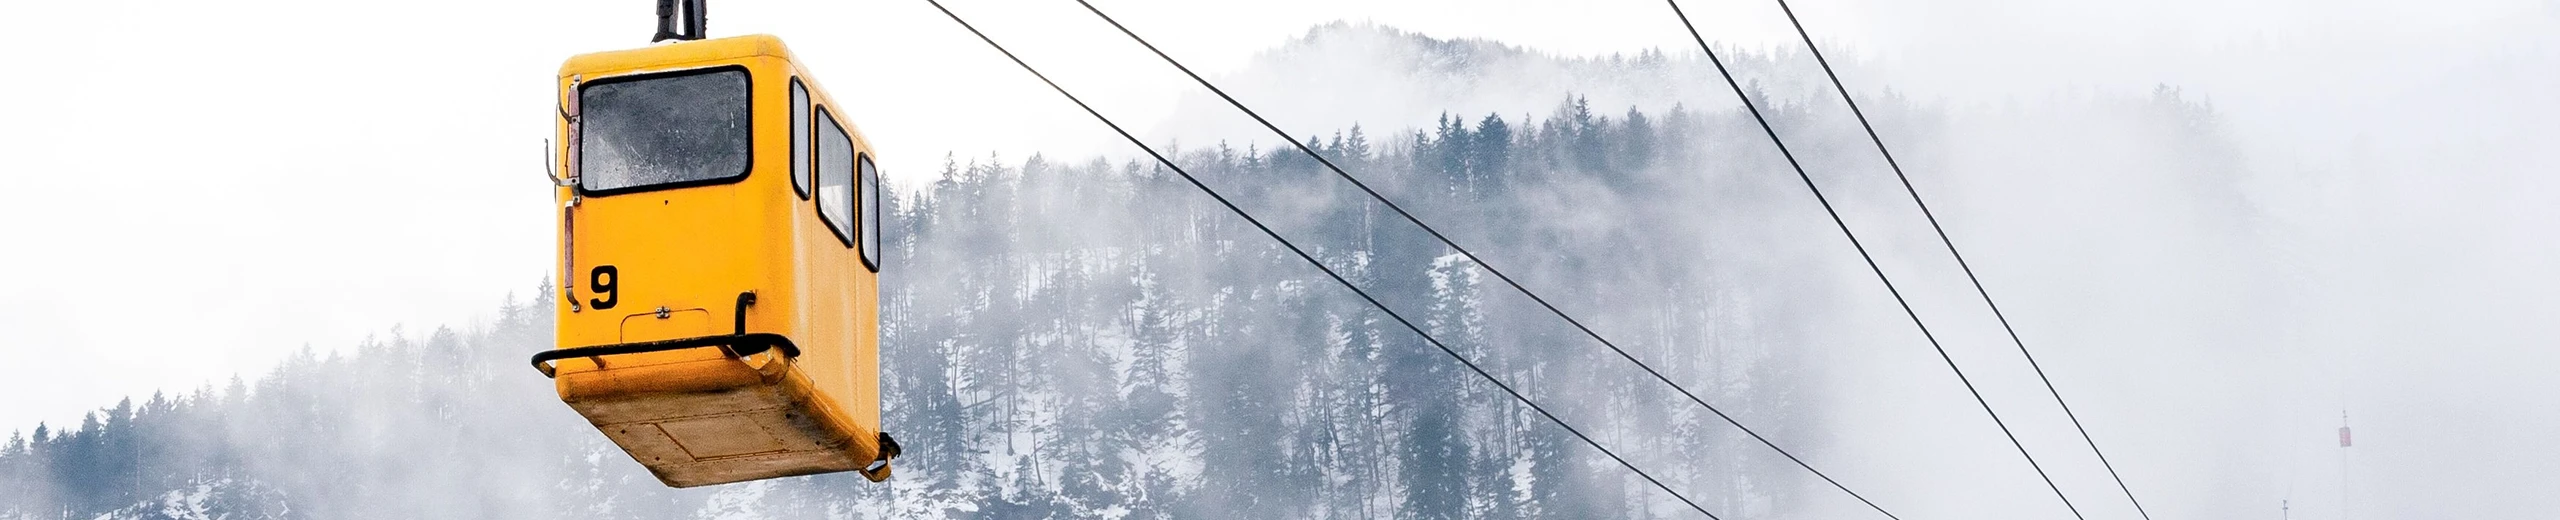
(719, 255)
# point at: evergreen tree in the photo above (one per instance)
(1069, 339)
(1587, 133)
(1635, 141)
(1489, 156)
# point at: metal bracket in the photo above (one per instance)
(745, 300)
(740, 345)
(888, 450)
(737, 346)
(685, 25)
(572, 115)
(569, 115)
(550, 165)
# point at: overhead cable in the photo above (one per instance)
(1959, 256)
(1871, 259)
(1328, 271)
(1471, 256)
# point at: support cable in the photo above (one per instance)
(1959, 256)
(1870, 259)
(1328, 271)
(1471, 256)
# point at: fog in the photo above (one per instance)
(2218, 227)
(2363, 227)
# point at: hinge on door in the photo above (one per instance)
(569, 115)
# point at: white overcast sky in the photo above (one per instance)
(195, 189)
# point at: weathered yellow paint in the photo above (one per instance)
(696, 416)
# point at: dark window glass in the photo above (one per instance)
(835, 176)
(799, 138)
(663, 130)
(870, 215)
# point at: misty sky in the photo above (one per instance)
(199, 188)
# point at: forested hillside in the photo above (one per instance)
(1090, 337)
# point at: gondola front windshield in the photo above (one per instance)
(664, 130)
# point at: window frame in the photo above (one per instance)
(741, 176)
(867, 204)
(819, 117)
(804, 140)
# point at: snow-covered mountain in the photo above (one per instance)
(1088, 337)
(1342, 74)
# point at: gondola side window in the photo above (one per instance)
(799, 138)
(870, 215)
(835, 177)
(664, 130)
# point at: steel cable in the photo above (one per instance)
(1328, 271)
(1471, 256)
(1809, 185)
(1959, 256)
